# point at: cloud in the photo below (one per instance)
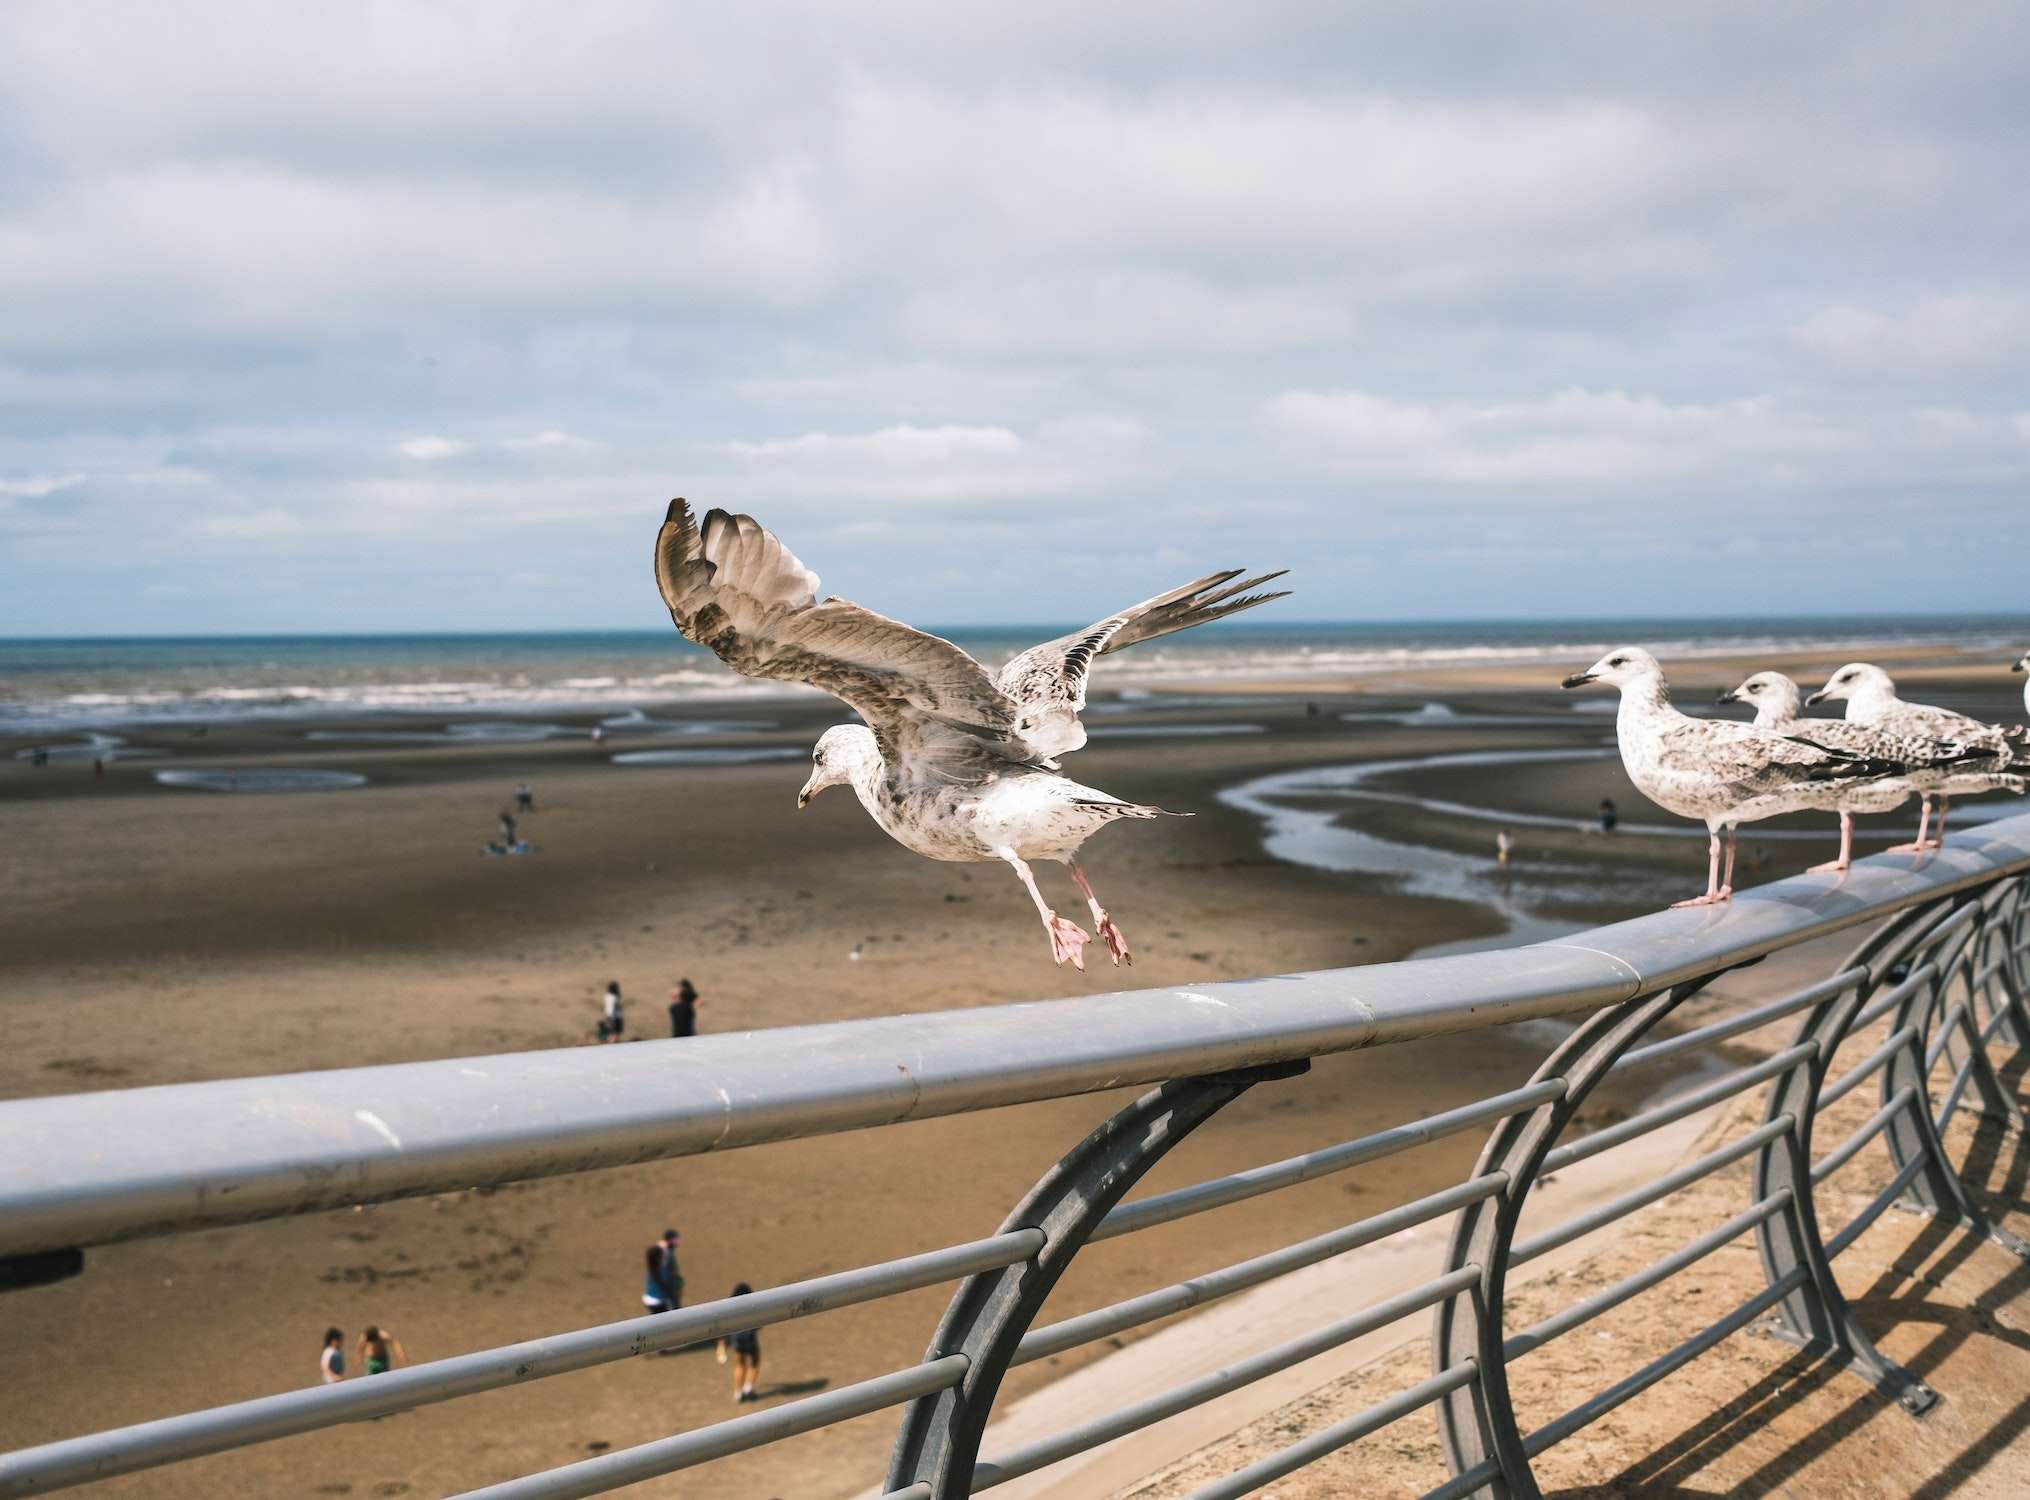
(1574, 437)
(549, 437)
(1966, 334)
(37, 485)
(1115, 311)
(1616, 443)
(430, 449)
(250, 526)
(946, 465)
(1069, 295)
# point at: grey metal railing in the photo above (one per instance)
(1936, 985)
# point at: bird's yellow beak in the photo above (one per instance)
(803, 800)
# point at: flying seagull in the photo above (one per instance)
(1779, 705)
(1870, 694)
(1722, 773)
(953, 761)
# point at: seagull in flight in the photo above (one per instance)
(1870, 695)
(1718, 771)
(952, 761)
(1779, 705)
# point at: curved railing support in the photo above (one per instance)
(1915, 1146)
(1814, 1313)
(1477, 1422)
(939, 1441)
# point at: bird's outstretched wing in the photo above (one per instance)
(733, 588)
(1048, 682)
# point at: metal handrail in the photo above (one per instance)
(92, 1169)
(86, 1169)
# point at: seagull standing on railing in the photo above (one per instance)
(1870, 695)
(1722, 773)
(953, 762)
(1779, 706)
(2022, 664)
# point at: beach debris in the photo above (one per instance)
(1934, 763)
(952, 762)
(1870, 696)
(1722, 773)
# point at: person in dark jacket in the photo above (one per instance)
(684, 1009)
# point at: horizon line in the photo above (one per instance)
(1886, 616)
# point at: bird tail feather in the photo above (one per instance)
(1130, 809)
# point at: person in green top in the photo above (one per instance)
(380, 1351)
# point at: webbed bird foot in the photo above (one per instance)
(1711, 898)
(1831, 867)
(1067, 941)
(1920, 846)
(1117, 945)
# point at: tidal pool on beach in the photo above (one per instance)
(488, 732)
(1156, 731)
(91, 747)
(705, 755)
(263, 779)
(1303, 813)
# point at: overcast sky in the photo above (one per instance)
(415, 316)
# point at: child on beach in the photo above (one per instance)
(684, 1009)
(380, 1351)
(746, 1349)
(611, 1020)
(331, 1363)
(662, 1288)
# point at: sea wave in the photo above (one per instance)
(78, 686)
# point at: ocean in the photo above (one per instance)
(55, 685)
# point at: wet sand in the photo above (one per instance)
(154, 934)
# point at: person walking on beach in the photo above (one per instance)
(746, 1350)
(684, 1009)
(507, 828)
(331, 1363)
(1503, 847)
(380, 1351)
(662, 1287)
(611, 1018)
(525, 800)
(1608, 816)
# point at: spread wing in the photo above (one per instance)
(733, 588)
(1048, 682)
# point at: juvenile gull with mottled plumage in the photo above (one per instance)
(1870, 695)
(952, 762)
(1722, 773)
(1779, 706)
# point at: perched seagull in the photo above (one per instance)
(1779, 706)
(954, 762)
(2022, 664)
(1722, 773)
(1870, 694)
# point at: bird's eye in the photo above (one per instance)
(1754, 687)
(1619, 661)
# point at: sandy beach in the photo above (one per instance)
(153, 934)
